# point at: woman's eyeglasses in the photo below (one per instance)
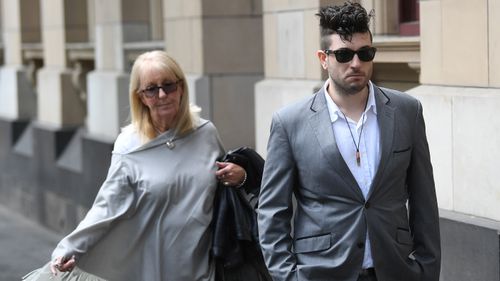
(153, 91)
(346, 55)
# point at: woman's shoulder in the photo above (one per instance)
(127, 140)
(206, 130)
(204, 125)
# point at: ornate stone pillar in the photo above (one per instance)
(59, 103)
(219, 45)
(17, 108)
(460, 92)
(61, 113)
(460, 76)
(107, 85)
(17, 96)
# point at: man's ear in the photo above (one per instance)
(322, 58)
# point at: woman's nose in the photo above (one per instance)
(161, 93)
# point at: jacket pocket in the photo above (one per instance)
(313, 243)
(403, 236)
(401, 150)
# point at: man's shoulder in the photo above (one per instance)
(398, 98)
(296, 108)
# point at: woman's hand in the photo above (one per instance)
(230, 174)
(62, 265)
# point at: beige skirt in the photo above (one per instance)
(44, 274)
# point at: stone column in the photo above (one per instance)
(59, 103)
(108, 84)
(292, 69)
(219, 45)
(60, 113)
(18, 98)
(461, 78)
(17, 108)
(460, 92)
(386, 19)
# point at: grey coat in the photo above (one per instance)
(151, 218)
(331, 216)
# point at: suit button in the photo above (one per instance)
(361, 245)
(367, 205)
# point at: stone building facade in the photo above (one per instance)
(64, 94)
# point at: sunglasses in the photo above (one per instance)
(154, 91)
(345, 55)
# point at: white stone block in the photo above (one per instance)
(233, 109)
(476, 152)
(431, 50)
(438, 121)
(184, 42)
(231, 7)
(109, 53)
(182, 9)
(108, 103)
(290, 60)
(494, 42)
(271, 95)
(233, 45)
(199, 94)
(463, 129)
(18, 98)
(59, 103)
(474, 50)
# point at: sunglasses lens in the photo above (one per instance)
(344, 56)
(169, 88)
(367, 54)
(151, 92)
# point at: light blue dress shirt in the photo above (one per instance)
(369, 147)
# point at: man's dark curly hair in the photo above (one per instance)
(344, 20)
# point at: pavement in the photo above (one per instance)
(24, 245)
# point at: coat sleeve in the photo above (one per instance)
(423, 209)
(275, 205)
(115, 199)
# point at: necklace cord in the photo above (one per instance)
(356, 145)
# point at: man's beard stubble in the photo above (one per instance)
(347, 89)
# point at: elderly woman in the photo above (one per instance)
(151, 218)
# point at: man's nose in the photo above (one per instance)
(355, 62)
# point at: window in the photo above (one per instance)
(409, 24)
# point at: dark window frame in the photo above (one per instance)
(409, 17)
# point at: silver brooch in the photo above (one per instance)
(170, 144)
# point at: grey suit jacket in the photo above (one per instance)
(331, 217)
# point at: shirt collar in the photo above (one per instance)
(334, 110)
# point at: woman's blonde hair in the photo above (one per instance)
(139, 113)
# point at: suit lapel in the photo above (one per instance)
(322, 127)
(386, 120)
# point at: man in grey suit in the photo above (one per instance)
(356, 159)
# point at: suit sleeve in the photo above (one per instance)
(423, 209)
(275, 205)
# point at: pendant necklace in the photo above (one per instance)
(170, 142)
(358, 154)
